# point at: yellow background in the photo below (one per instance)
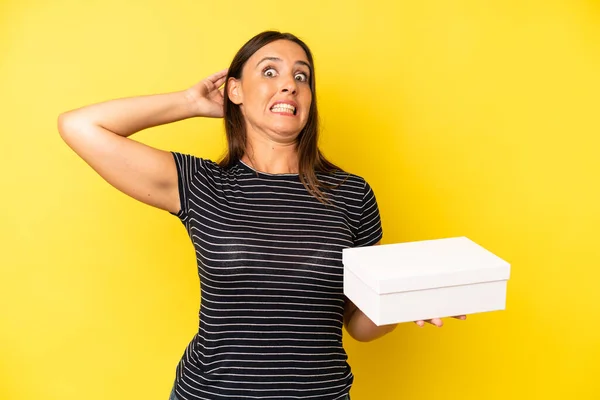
(475, 118)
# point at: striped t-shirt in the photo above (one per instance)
(271, 276)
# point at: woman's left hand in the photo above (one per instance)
(438, 321)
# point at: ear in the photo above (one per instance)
(234, 91)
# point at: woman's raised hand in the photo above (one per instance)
(207, 95)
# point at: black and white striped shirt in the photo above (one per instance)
(270, 265)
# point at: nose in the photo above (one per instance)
(289, 86)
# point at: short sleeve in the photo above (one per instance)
(369, 230)
(187, 168)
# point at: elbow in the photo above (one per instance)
(363, 338)
(370, 333)
(64, 124)
(68, 124)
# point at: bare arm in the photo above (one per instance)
(360, 327)
(99, 134)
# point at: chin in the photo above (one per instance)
(287, 131)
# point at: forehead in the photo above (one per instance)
(286, 50)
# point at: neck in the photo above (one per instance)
(266, 155)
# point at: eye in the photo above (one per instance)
(269, 72)
(301, 76)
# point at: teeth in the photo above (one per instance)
(283, 108)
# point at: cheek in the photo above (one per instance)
(306, 101)
(260, 97)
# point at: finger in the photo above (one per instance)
(461, 317)
(220, 81)
(436, 321)
(218, 76)
(420, 323)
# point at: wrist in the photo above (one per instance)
(191, 103)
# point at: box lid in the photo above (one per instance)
(426, 264)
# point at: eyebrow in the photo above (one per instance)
(279, 59)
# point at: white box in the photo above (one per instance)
(402, 282)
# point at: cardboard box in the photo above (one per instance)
(413, 281)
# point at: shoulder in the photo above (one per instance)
(346, 181)
(347, 188)
(193, 164)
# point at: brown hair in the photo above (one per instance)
(310, 159)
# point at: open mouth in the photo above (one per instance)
(284, 108)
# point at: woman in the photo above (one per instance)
(268, 223)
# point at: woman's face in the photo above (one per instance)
(274, 91)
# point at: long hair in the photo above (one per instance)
(310, 159)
